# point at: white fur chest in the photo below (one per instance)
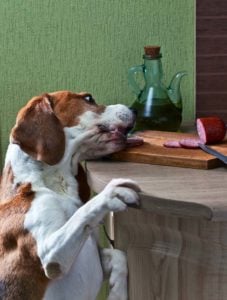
(49, 211)
(62, 183)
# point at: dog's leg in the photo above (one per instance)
(114, 265)
(58, 250)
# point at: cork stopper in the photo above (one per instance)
(152, 52)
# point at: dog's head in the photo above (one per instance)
(50, 122)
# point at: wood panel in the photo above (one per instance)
(211, 58)
(171, 258)
(210, 25)
(211, 46)
(211, 8)
(211, 82)
(211, 64)
(212, 102)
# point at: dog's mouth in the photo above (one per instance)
(109, 139)
(120, 135)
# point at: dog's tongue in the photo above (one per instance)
(134, 141)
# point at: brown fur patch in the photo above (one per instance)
(38, 131)
(69, 106)
(21, 273)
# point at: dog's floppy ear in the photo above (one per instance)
(39, 132)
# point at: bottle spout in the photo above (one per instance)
(174, 89)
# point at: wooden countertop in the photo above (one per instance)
(169, 190)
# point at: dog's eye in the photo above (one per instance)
(89, 98)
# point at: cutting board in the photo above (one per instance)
(153, 152)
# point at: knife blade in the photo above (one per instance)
(213, 152)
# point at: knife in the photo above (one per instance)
(213, 152)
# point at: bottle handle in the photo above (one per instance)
(131, 78)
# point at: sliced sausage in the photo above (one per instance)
(190, 143)
(172, 144)
(211, 130)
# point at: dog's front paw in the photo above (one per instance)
(120, 193)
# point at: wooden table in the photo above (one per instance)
(177, 242)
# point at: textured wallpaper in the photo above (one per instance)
(48, 45)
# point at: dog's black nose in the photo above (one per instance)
(134, 111)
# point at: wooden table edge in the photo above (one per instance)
(159, 205)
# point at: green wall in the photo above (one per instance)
(47, 45)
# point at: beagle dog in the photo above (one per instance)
(48, 245)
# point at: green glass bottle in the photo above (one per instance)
(158, 107)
